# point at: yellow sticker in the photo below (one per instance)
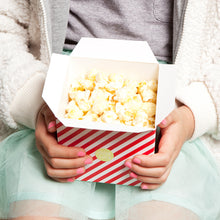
(104, 154)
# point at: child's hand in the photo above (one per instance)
(153, 170)
(62, 163)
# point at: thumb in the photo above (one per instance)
(171, 118)
(167, 121)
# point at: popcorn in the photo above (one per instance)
(115, 82)
(101, 80)
(131, 84)
(127, 111)
(125, 116)
(73, 111)
(141, 119)
(75, 86)
(148, 90)
(148, 95)
(87, 84)
(82, 99)
(149, 108)
(109, 117)
(110, 98)
(124, 94)
(100, 105)
(91, 75)
(101, 94)
(91, 116)
(152, 84)
(100, 101)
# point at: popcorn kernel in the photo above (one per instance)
(111, 98)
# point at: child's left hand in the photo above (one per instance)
(153, 170)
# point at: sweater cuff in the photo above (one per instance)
(28, 101)
(197, 98)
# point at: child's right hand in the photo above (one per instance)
(62, 163)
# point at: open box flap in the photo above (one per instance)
(166, 91)
(56, 83)
(53, 87)
(135, 51)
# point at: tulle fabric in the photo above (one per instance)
(156, 210)
(23, 177)
(42, 209)
(152, 210)
(192, 189)
(193, 183)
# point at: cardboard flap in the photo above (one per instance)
(166, 91)
(135, 51)
(53, 87)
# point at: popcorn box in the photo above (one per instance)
(109, 144)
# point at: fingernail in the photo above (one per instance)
(128, 164)
(133, 175)
(164, 122)
(80, 170)
(144, 186)
(88, 161)
(51, 124)
(137, 160)
(81, 153)
(70, 180)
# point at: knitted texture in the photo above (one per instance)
(17, 64)
(211, 57)
(199, 54)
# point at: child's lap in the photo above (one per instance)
(193, 183)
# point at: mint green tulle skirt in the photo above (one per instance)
(194, 183)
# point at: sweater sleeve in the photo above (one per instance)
(199, 99)
(202, 96)
(212, 82)
(199, 67)
(21, 74)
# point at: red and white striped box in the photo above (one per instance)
(109, 144)
(121, 145)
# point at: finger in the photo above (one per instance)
(51, 126)
(163, 123)
(150, 172)
(49, 117)
(64, 180)
(62, 173)
(160, 159)
(49, 143)
(149, 180)
(168, 120)
(149, 186)
(170, 145)
(54, 150)
(143, 171)
(59, 151)
(128, 163)
(63, 163)
(152, 180)
(58, 163)
(154, 183)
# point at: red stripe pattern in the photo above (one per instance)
(122, 145)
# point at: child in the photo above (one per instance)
(174, 178)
